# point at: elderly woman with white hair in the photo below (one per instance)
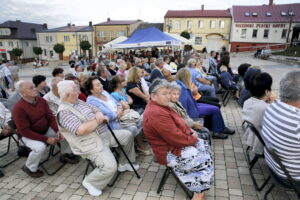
(84, 127)
(112, 68)
(52, 97)
(175, 144)
(281, 129)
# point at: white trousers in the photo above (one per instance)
(38, 149)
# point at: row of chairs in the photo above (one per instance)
(273, 176)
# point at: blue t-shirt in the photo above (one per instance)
(195, 74)
(119, 97)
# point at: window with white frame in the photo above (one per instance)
(11, 43)
(178, 25)
(51, 53)
(254, 33)
(111, 34)
(212, 24)
(243, 33)
(221, 24)
(200, 24)
(121, 33)
(102, 35)
(198, 40)
(1, 44)
(83, 37)
(48, 38)
(189, 24)
(27, 44)
(45, 52)
(66, 38)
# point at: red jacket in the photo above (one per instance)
(33, 120)
(165, 131)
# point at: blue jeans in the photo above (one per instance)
(207, 88)
(214, 81)
(213, 111)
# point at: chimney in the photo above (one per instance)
(45, 26)
(270, 2)
(90, 23)
(73, 24)
(69, 24)
(202, 7)
(18, 20)
(108, 19)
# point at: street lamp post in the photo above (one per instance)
(290, 14)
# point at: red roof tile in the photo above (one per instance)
(118, 22)
(275, 10)
(197, 13)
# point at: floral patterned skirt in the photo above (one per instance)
(194, 167)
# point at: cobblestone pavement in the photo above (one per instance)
(232, 179)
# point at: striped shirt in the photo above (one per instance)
(281, 130)
(71, 121)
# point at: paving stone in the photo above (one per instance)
(126, 197)
(221, 184)
(116, 193)
(140, 196)
(237, 192)
(60, 188)
(28, 188)
(236, 198)
(234, 183)
(168, 193)
(220, 174)
(75, 197)
(222, 193)
(66, 194)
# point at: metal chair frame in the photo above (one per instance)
(8, 149)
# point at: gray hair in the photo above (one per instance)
(65, 87)
(18, 84)
(191, 62)
(175, 86)
(112, 64)
(55, 81)
(21, 85)
(159, 61)
(290, 87)
(158, 84)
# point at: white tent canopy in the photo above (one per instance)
(110, 44)
(180, 38)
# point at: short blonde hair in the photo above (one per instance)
(184, 75)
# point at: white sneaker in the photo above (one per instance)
(91, 189)
(127, 167)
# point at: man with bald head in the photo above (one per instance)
(36, 124)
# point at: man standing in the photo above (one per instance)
(36, 124)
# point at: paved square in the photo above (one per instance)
(232, 179)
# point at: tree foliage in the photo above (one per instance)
(37, 50)
(16, 52)
(59, 48)
(185, 34)
(85, 45)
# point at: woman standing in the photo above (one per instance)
(180, 149)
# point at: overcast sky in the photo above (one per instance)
(60, 12)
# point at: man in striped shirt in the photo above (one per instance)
(281, 127)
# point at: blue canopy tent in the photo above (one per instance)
(150, 37)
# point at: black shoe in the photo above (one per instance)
(219, 135)
(36, 174)
(1, 174)
(66, 158)
(228, 131)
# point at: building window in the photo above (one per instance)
(268, 14)
(212, 24)
(254, 33)
(102, 35)
(1, 44)
(283, 13)
(45, 52)
(83, 37)
(10, 43)
(178, 25)
(198, 40)
(121, 33)
(48, 38)
(51, 53)
(283, 34)
(27, 44)
(247, 14)
(244, 32)
(189, 24)
(66, 38)
(254, 14)
(266, 33)
(111, 34)
(221, 24)
(200, 24)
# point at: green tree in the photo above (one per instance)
(37, 51)
(59, 49)
(17, 52)
(185, 34)
(85, 45)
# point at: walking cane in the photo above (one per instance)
(120, 146)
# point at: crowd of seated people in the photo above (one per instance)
(141, 100)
